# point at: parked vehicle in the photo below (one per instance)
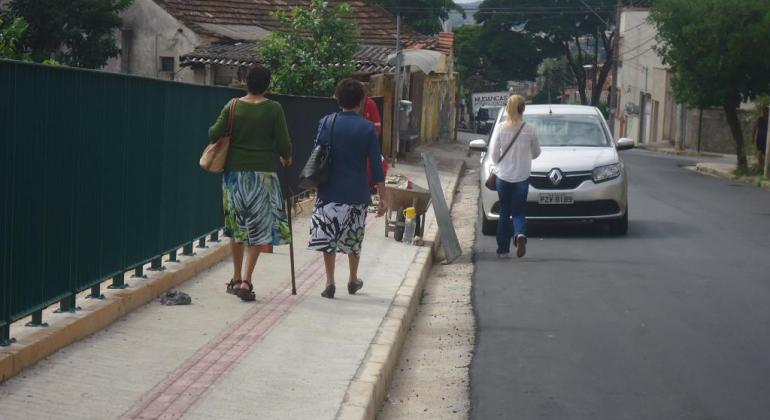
(579, 175)
(486, 118)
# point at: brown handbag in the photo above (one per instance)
(215, 154)
(491, 182)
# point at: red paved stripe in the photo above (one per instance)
(172, 398)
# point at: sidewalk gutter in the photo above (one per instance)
(368, 389)
(96, 315)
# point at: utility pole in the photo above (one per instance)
(767, 150)
(397, 95)
(615, 65)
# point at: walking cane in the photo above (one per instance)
(289, 209)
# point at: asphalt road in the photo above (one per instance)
(670, 322)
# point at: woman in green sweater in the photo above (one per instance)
(251, 191)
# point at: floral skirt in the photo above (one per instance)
(337, 227)
(254, 212)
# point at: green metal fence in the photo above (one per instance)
(99, 176)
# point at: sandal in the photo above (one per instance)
(233, 286)
(246, 295)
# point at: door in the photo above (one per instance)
(644, 135)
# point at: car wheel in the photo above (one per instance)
(488, 227)
(620, 227)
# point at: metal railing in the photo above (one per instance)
(99, 176)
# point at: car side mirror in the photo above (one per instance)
(625, 144)
(478, 145)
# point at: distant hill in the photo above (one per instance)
(457, 19)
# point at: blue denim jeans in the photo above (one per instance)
(513, 204)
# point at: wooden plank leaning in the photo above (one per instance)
(446, 228)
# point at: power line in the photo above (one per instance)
(636, 47)
(638, 55)
(634, 27)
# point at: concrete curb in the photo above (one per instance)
(713, 171)
(368, 389)
(99, 314)
(690, 153)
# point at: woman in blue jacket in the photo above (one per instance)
(339, 216)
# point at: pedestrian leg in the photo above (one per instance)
(519, 207)
(504, 193)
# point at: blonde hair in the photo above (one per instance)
(515, 108)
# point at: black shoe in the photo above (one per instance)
(521, 245)
(355, 286)
(329, 292)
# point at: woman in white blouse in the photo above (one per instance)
(513, 146)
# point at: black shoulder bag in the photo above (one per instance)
(492, 178)
(316, 170)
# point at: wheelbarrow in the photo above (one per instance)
(398, 199)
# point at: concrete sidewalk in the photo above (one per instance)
(285, 357)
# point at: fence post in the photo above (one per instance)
(157, 264)
(68, 304)
(96, 292)
(172, 257)
(139, 273)
(202, 243)
(118, 282)
(37, 320)
(215, 237)
(187, 251)
(5, 336)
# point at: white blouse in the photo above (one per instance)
(517, 163)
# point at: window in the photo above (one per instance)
(167, 64)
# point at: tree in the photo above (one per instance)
(581, 31)
(314, 52)
(79, 33)
(718, 51)
(484, 58)
(554, 75)
(423, 15)
(10, 37)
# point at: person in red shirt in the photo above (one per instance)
(371, 113)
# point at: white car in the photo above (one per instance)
(578, 176)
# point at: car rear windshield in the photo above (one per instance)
(487, 113)
(569, 130)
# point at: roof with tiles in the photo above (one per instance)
(377, 26)
(369, 59)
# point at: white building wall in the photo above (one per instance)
(636, 75)
(150, 33)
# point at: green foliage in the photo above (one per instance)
(555, 76)
(79, 33)
(314, 51)
(533, 30)
(423, 15)
(718, 50)
(485, 59)
(762, 102)
(10, 36)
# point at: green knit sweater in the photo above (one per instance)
(259, 133)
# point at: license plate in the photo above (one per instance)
(556, 198)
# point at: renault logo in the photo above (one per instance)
(555, 176)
